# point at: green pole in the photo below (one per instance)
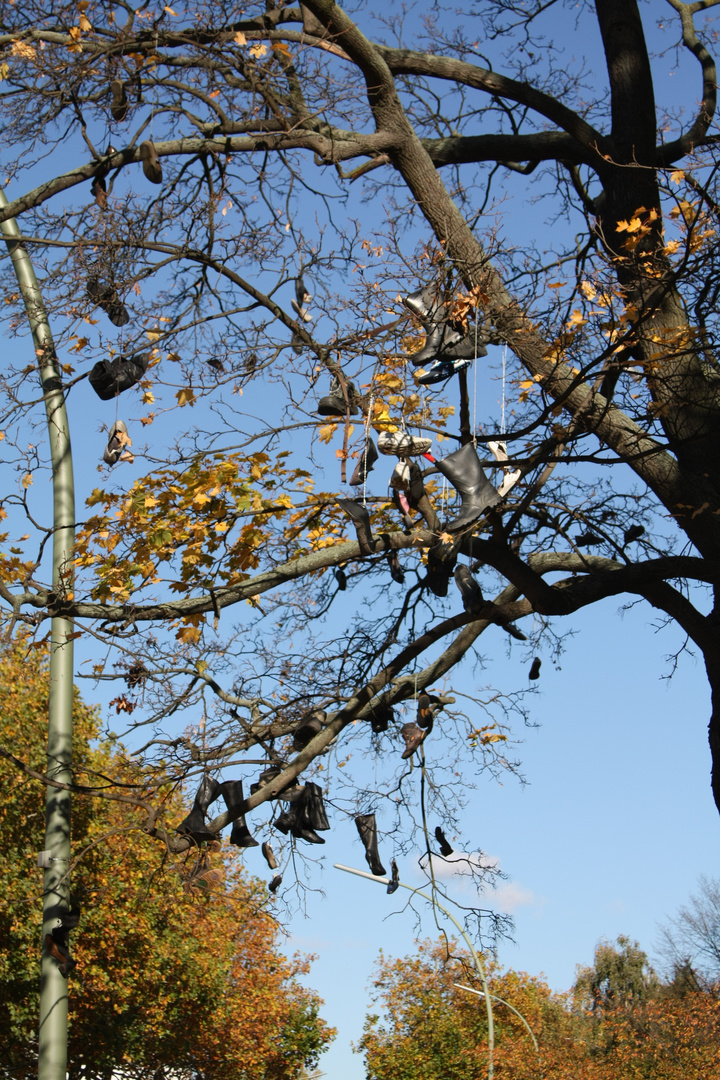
(52, 1040)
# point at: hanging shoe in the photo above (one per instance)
(439, 570)
(70, 919)
(275, 884)
(588, 539)
(109, 378)
(465, 348)
(402, 445)
(118, 441)
(445, 849)
(428, 707)
(368, 457)
(361, 521)
(334, 404)
(119, 103)
(106, 297)
(464, 471)
(341, 578)
(194, 824)
(99, 192)
(396, 570)
(268, 856)
(472, 597)
(297, 344)
(367, 828)
(380, 718)
(440, 336)
(394, 883)
(312, 812)
(427, 303)
(440, 371)
(302, 299)
(151, 162)
(633, 533)
(535, 668)
(413, 736)
(61, 954)
(406, 477)
(310, 726)
(232, 793)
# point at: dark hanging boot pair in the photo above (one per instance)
(105, 296)
(447, 350)
(367, 828)
(306, 816)
(427, 709)
(109, 378)
(210, 789)
(466, 474)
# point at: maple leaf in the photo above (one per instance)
(186, 396)
(258, 50)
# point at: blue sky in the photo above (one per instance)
(608, 835)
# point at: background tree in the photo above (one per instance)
(210, 166)
(426, 1022)
(178, 968)
(690, 940)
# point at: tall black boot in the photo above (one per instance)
(439, 569)
(361, 521)
(232, 793)
(381, 717)
(368, 457)
(313, 813)
(472, 597)
(367, 827)
(466, 474)
(194, 824)
(426, 303)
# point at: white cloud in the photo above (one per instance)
(506, 896)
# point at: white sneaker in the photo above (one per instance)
(402, 445)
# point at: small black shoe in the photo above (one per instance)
(275, 884)
(341, 578)
(394, 884)
(105, 296)
(396, 570)
(440, 371)
(98, 190)
(380, 718)
(334, 404)
(445, 848)
(535, 668)
(413, 736)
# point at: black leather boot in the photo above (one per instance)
(334, 404)
(381, 717)
(232, 793)
(467, 476)
(368, 457)
(105, 296)
(426, 303)
(445, 848)
(109, 378)
(439, 570)
(361, 521)
(367, 827)
(472, 597)
(194, 824)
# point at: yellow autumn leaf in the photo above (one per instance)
(24, 50)
(186, 396)
(4, 71)
(27, 480)
(576, 319)
(150, 501)
(326, 432)
(240, 38)
(148, 397)
(170, 11)
(214, 94)
(75, 33)
(281, 47)
(84, 23)
(79, 344)
(258, 50)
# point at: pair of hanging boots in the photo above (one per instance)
(210, 789)
(447, 350)
(306, 816)
(109, 378)
(106, 297)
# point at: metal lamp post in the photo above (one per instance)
(55, 859)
